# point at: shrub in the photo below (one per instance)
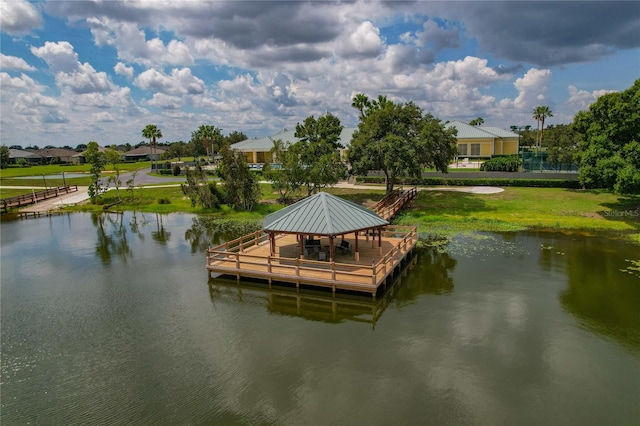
(165, 172)
(176, 170)
(506, 163)
(164, 201)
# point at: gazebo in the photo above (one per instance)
(323, 215)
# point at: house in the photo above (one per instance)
(473, 142)
(30, 157)
(60, 155)
(258, 150)
(484, 141)
(79, 158)
(143, 153)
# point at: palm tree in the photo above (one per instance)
(152, 132)
(539, 114)
(381, 103)
(477, 122)
(208, 134)
(361, 102)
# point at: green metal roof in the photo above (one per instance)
(467, 131)
(322, 214)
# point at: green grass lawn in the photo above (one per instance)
(435, 212)
(444, 212)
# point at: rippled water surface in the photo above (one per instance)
(112, 320)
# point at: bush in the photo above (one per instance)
(176, 170)
(165, 172)
(164, 201)
(541, 183)
(506, 163)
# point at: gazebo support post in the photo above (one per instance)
(332, 249)
(272, 243)
(379, 241)
(301, 243)
(357, 252)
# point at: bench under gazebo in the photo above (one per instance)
(322, 240)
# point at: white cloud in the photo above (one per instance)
(581, 99)
(532, 89)
(19, 17)
(60, 57)
(364, 41)
(180, 82)
(163, 101)
(132, 45)
(13, 63)
(124, 70)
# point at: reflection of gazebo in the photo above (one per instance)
(323, 215)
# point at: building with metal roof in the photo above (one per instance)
(258, 150)
(484, 141)
(473, 141)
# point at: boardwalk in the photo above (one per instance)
(365, 271)
(35, 197)
(394, 201)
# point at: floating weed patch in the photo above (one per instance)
(472, 244)
(633, 268)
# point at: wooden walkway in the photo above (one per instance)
(249, 256)
(391, 203)
(34, 197)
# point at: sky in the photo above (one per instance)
(78, 71)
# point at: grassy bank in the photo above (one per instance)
(445, 213)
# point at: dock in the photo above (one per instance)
(365, 271)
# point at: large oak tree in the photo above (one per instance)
(399, 140)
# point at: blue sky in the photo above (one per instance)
(76, 71)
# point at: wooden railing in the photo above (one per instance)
(231, 258)
(394, 201)
(34, 197)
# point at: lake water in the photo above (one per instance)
(112, 320)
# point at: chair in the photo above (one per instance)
(344, 247)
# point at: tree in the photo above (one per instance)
(4, 157)
(289, 175)
(539, 114)
(477, 121)
(97, 160)
(241, 185)
(316, 153)
(209, 138)
(561, 142)
(198, 189)
(152, 133)
(609, 155)
(234, 137)
(361, 102)
(113, 157)
(399, 141)
(175, 150)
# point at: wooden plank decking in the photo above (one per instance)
(365, 271)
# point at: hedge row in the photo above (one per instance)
(541, 183)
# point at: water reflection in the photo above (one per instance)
(160, 235)
(207, 231)
(112, 237)
(310, 304)
(431, 275)
(608, 304)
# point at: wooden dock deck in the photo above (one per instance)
(364, 271)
